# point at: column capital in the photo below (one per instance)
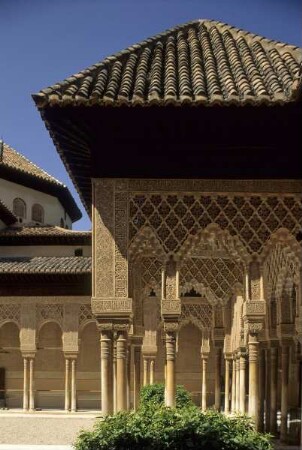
(29, 355)
(117, 324)
(171, 326)
(71, 355)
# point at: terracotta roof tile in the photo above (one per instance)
(43, 235)
(14, 164)
(46, 265)
(202, 62)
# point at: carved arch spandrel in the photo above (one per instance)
(146, 244)
(215, 236)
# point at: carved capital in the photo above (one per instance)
(171, 326)
(255, 328)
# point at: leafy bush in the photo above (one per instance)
(161, 428)
(154, 395)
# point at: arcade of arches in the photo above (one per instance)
(196, 283)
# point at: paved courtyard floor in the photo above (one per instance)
(43, 429)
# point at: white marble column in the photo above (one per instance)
(31, 385)
(121, 371)
(204, 362)
(152, 370)
(67, 384)
(171, 372)
(106, 361)
(217, 378)
(253, 377)
(237, 383)
(114, 378)
(284, 391)
(273, 389)
(137, 376)
(227, 386)
(242, 368)
(25, 384)
(233, 402)
(73, 386)
(146, 370)
(128, 377)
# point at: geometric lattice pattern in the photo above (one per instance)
(10, 312)
(199, 314)
(278, 265)
(85, 313)
(151, 274)
(252, 218)
(218, 274)
(50, 312)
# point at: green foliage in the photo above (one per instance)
(161, 428)
(154, 395)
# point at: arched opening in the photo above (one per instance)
(11, 367)
(89, 369)
(37, 213)
(19, 209)
(49, 368)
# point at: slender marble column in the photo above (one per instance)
(233, 405)
(152, 366)
(171, 375)
(273, 389)
(261, 390)
(253, 377)
(31, 385)
(237, 383)
(137, 376)
(217, 378)
(114, 378)
(227, 386)
(284, 391)
(73, 386)
(242, 367)
(67, 384)
(25, 384)
(204, 360)
(121, 371)
(267, 390)
(128, 376)
(146, 370)
(106, 359)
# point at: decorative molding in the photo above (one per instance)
(115, 306)
(121, 243)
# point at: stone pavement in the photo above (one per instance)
(42, 428)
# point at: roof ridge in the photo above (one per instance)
(33, 164)
(141, 44)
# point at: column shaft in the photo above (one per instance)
(273, 389)
(261, 390)
(121, 371)
(137, 376)
(233, 405)
(25, 384)
(284, 391)
(217, 379)
(227, 386)
(237, 384)
(114, 378)
(73, 386)
(204, 384)
(106, 361)
(242, 366)
(152, 366)
(128, 376)
(31, 385)
(67, 384)
(171, 376)
(146, 371)
(253, 377)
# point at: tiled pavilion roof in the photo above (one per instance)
(17, 168)
(202, 62)
(46, 265)
(44, 235)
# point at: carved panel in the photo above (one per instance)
(220, 275)
(85, 314)
(103, 228)
(113, 305)
(49, 312)
(151, 270)
(10, 312)
(121, 243)
(71, 327)
(28, 327)
(175, 216)
(199, 314)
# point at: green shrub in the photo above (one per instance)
(154, 395)
(161, 428)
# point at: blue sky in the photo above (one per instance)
(44, 41)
